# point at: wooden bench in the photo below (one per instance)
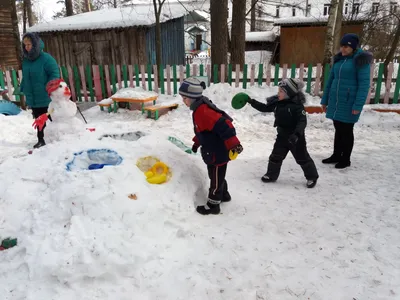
(156, 108)
(133, 100)
(108, 105)
(387, 110)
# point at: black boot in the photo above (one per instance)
(311, 183)
(331, 160)
(39, 144)
(266, 178)
(209, 208)
(343, 164)
(227, 197)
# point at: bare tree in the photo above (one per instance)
(253, 15)
(69, 8)
(219, 29)
(87, 5)
(238, 32)
(28, 7)
(158, 4)
(330, 32)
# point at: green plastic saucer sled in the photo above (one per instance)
(239, 100)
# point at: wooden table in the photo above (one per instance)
(116, 100)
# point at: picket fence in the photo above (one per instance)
(97, 82)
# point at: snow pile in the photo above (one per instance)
(108, 234)
(136, 93)
(260, 36)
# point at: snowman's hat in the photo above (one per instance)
(53, 85)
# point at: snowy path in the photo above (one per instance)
(81, 237)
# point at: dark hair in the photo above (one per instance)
(203, 85)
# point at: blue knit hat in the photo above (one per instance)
(351, 40)
(192, 88)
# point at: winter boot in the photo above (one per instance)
(208, 209)
(343, 164)
(266, 178)
(226, 197)
(331, 160)
(311, 183)
(39, 144)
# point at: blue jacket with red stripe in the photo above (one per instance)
(214, 132)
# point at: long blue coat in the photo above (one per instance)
(348, 86)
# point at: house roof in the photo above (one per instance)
(260, 36)
(136, 15)
(307, 21)
(199, 27)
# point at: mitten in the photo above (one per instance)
(293, 138)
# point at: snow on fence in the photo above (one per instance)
(97, 82)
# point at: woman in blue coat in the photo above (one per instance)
(38, 68)
(345, 95)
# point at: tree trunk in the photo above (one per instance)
(24, 18)
(28, 6)
(115, 4)
(219, 28)
(238, 32)
(392, 51)
(338, 27)
(330, 31)
(253, 15)
(69, 8)
(157, 11)
(87, 6)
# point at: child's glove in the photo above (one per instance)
(235, 151)
(293, 138)
(194, 148)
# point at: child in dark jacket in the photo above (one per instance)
(291, 121)
(216, 135)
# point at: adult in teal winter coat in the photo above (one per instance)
(345, 95)
(38, 68)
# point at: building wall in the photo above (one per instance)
(9, 49)
(306, 44)
(172, 43)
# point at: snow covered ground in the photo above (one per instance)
(81, 237)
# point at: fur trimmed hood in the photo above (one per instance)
(360, 57)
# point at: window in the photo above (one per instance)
(327, 8)
(375, 7)
(293, 11)
(277, 12)
(356, 8)
(393, 7)
(346, 8)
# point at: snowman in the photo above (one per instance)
(62, 112)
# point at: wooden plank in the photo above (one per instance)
(268, 80)
(201, 70)
(15, 83)
(252, 74)
(245, 76)
(237, 75)
(222, 73)
(20, 75)
(293, 71)
(113, 81)
(64, 74)
(194, 70)
(97, 83)
(260, 74)
(168, 70)
(309, 78)
(130, 75)
(143, 74)
(371, 83)
(284, 71)
(397, 88)
(149, 78)
(175, 79)
(215, 73)
(2, 81)
(103, 81)
(155, 107)
(88, 70)
(71, 83)
(77, 83)
(125, 75)
(318, 80)
(187, 70)
(379, 83)
(301, 72)
(388, 83)
(230, 74)
(162, 85)
(276, 75)
(155, 72)
(137, 75)
(83, 79)
(327, 71)
(119, 77)
(108, 84)
(181, 74)
(208, 71)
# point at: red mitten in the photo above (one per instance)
(40, 121)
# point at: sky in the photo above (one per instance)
(47, 8)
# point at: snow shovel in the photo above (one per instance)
(239, 100)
